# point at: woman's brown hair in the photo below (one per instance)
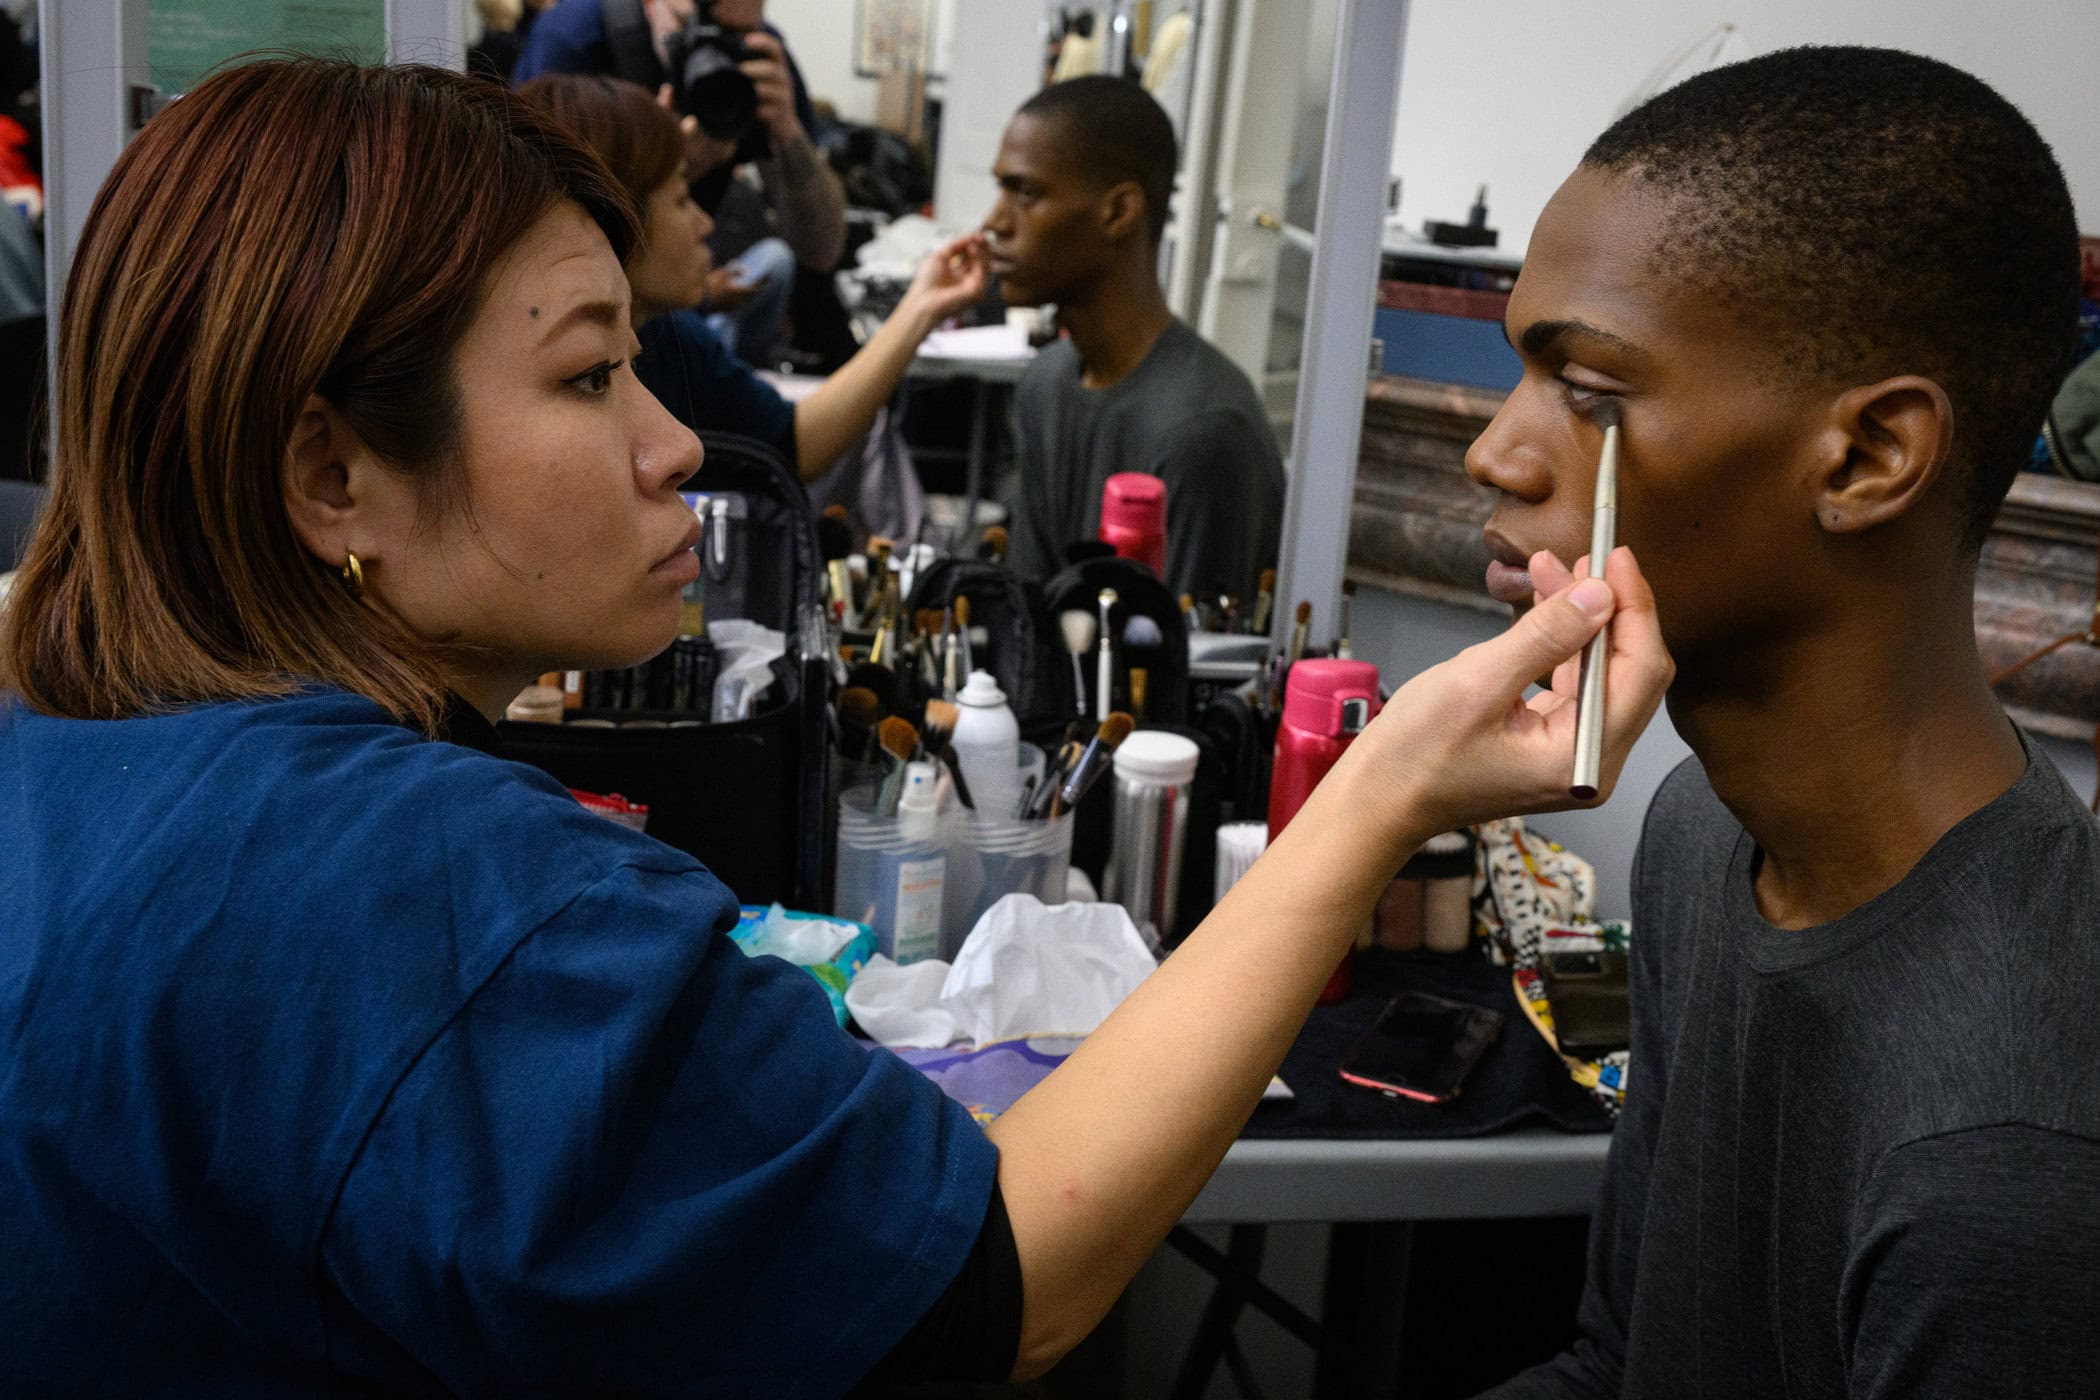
(291, 227)
(636, 137)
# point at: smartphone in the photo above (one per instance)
(1422, 1047)
(1587, 992)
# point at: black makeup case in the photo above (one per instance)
(999, 609)
(746, 796)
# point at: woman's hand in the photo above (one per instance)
(949, 281)
(727, 290)
(1459, 744)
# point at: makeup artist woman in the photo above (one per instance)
(338, 1058)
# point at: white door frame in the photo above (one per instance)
(1339, 308)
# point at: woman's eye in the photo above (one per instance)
(595, 380)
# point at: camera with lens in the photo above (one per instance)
(707, 81)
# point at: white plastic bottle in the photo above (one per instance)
(922, 870)
(988, 747)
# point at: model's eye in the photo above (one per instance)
(1579, 396)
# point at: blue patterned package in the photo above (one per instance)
(832, 950)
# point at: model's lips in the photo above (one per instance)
(1508, 570)
(1001, 268)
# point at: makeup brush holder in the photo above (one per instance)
(892, 878)
(1164, 656)
(995, 858)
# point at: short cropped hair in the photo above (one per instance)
(1872, 212)
(633, 133)
(1115, 129)
(290, 228)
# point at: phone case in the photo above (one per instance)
(1478, 1028)
(1587, 995)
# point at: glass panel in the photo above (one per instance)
(187, 38)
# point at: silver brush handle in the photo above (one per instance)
(1589, 705)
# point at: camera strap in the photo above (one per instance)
(633, 49)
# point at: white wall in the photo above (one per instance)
(1510, 92)
(820, 33)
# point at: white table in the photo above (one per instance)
(1527, 1172)
(986, 356)
(1371, 1192)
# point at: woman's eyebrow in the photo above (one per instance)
(601, 313)
(1541, 336)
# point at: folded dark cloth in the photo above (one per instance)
(1518, 1080)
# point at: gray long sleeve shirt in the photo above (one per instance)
(1186, 415)
(1861, 1159)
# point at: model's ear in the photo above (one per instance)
(1889, 444)
(340, 498)
(1123, 211)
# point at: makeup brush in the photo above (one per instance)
(1105, 660)
(944, 678)
(1264, 600)
(900, 740)
(962, 634)
(992, 547)
(941, 716)
(1341, 642)
(859, 712)
(1604, 535)
(834, 543)
(1299, 633)
(1061, 766)
(1093, 762)
(1078, 627)
(883, 652)
(879, 547)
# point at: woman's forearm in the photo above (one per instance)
(839, 411)
(1100, 1159)
(1098, 1162)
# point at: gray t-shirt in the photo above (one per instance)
(1861, 1159)
(1185, 415)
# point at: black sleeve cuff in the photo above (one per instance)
(973, 1331)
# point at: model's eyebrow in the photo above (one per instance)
(1541, 336)
(600, 313)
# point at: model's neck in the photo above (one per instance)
(1848, 753)
(1115, 323)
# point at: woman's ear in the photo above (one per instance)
(338, 496)
(1894, 438)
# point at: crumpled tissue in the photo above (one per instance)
(1027, 968)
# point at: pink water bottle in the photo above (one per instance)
(1134, 519)
(1325, 705)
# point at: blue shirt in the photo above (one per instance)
(335, 1059)
(708, 389)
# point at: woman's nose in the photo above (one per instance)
(667, 452)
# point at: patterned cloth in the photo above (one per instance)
(1532, 897)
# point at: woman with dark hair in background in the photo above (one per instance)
(683, 363)
(342, 1055)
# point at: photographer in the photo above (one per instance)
(762, 121)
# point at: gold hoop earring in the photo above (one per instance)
(354, 575)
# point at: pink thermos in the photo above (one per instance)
(1134, 519)
(1325, 705)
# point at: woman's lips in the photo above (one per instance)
(1506, 583)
